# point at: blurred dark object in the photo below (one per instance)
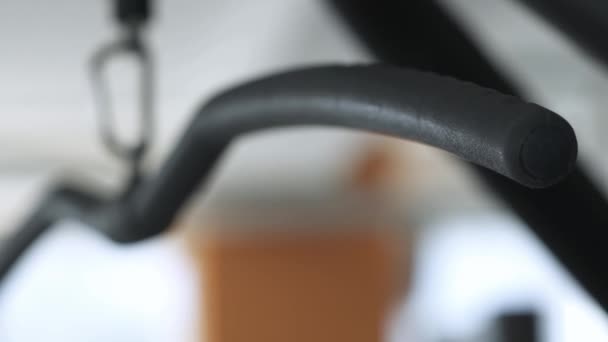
(518, 327)
(133, 12)
(571, 217)
(420, 34)
(584, 21)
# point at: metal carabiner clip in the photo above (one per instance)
(131, 154)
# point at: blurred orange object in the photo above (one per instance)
(304, 288)
(304, 264)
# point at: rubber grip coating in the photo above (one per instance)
(522, 141)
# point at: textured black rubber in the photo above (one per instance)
(519, 140)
